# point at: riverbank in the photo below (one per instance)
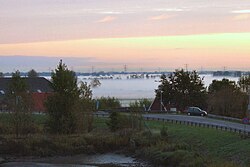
(98, 144)
(179, 145)
(97, 160)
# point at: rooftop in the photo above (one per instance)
(37, 84)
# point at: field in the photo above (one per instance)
(179, 145)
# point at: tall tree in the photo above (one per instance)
(182, 89)
(20, 104)
(70, 107)
(32, 74)
(62, 105)
(225, 98)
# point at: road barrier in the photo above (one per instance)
(224, 118)
(190, 123)
(200, 124)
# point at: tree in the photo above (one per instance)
(225, 98)
(140, 105)
(1, 75)
(20, 104)
(70, 107)
(85, 117)
(216, 86)
(108, 103)
(32, 74)
(95, 83)
(63, 104)
(115, 121)
(85, 90)
(182, 89)
(244, 83)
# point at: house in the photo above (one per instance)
(39, 87)
(158, 106)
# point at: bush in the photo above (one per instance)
(5, 129)
(164, 131)
(108, 103)
(119, 121)
(140, 105)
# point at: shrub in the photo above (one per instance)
(164, 131)
(116, 121)
(108, 103)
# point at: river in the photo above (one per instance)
(98, 160)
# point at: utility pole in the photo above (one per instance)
(248, 107)
(186, 66)
(92, 70)
(125, 68)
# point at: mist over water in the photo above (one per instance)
(124, 88)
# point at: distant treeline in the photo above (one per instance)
(102, 73)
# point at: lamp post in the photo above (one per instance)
(248, 107)
(161, 100)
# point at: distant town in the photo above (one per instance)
(228, 73)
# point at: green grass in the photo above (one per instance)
(39, 119)
(214, 144)
(100, 122)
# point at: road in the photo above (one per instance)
(198, 119)
(194, 119)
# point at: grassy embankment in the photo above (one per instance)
(180, 146)
(215, 147)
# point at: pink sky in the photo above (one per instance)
(211, 34)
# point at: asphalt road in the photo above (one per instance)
(199, 119)
(194, 119)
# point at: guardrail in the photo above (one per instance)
(191, 123)
(200, 124)
(224, 118)
(101, 115)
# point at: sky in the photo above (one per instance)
(108, 34)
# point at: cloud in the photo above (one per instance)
(169, 10)
(241, 11)
(107, 19)
(110, 12)
(242, 17)
(160, 17)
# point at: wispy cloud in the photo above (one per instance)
(169, 10)
(242, 11)
(110, 12)
(161, 17)
(107, 19)
(242, 17)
